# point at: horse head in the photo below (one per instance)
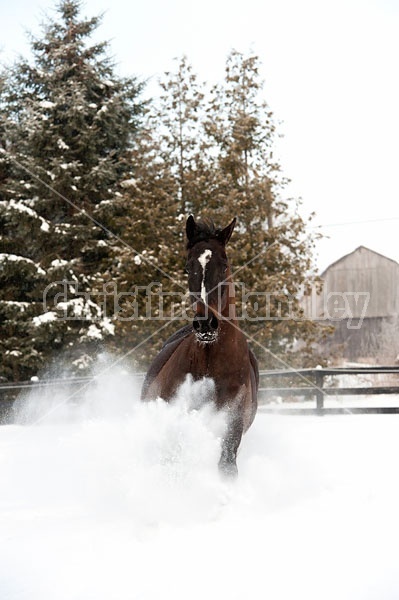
(209, 281)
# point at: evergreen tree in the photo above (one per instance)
(220, 148)
(178, 123)
(272, 250)
(149, 275)
(69, 126)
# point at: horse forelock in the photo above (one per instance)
(205, 230)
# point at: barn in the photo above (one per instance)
(360, 299)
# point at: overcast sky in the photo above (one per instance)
(331, 72)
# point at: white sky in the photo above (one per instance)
(331, 72)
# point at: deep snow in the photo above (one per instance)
(110, 499)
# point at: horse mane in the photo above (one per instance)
(205, 230)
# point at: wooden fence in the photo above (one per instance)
(299, 392)
(310, 385)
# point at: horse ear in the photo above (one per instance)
(225, 234)
(190, 227)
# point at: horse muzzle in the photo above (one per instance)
(206, 328)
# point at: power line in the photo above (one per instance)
(345, 223)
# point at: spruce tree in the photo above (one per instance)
(149, 274)
(69, 126)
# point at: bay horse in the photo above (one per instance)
(212, 346)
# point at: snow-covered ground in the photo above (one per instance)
(111, 499)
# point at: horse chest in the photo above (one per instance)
(230, 373)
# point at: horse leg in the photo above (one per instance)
(230, 444)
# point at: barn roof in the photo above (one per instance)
(359, 248)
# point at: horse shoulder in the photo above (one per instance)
(178, 335)
(254, 364)
(163, 356)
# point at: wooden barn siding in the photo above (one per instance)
(367, 341)
(377, 332)
(361, 271)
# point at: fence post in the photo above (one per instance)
(319, 391)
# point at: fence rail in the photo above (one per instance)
(306, 384)
(310, 385)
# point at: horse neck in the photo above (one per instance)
(229, 310)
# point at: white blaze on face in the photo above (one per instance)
(203, 260)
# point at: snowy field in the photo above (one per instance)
(111, 499)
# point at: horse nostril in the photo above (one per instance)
(214, 322)
(196, 324)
